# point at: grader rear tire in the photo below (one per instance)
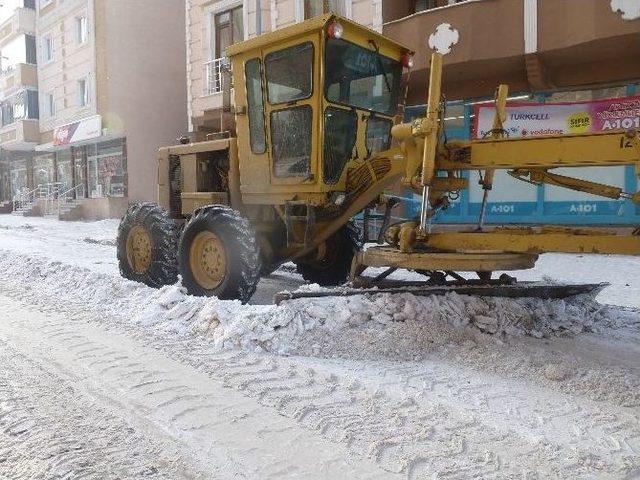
(219, 255)
(335, 267)
(147, 245)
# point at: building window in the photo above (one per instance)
(21, 49)
(64, 169)
(313, 8)
(226, 30)
(6, 109)
(20, 106)
(106, 166)
(19, 177)
(47, 48)
(43, 169)
(83, 93)
(81, 30)
(50, 105)
(30, 53)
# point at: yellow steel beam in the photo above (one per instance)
(533, 243)
(457, 262)
(577, 184)
(430, 129)
(603, 149)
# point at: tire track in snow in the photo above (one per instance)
(415, 423)
(49, 429)
(212, 426)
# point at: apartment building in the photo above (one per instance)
(214, 25)
(104, 91)
(19, 131)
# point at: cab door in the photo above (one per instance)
(292, 95)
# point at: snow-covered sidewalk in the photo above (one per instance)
(403, 387)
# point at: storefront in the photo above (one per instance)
(64, 170)
(90, 170)
(106, 167)
(83, 162)
(44, 169)
(20, 172)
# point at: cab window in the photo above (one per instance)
(378, 135)
(255, 108)
(361, 77)
(340, 129)
(291, 139)
(289, 73)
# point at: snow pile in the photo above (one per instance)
(397, 325)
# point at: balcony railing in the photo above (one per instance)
(213, 76)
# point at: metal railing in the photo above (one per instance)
(69, 196)
(50, 196)
(213, 76)
(52, 190)
(24, 200)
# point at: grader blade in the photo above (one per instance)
(516, 290)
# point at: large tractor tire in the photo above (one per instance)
(334, 268)
(148, 245)
(219, 255)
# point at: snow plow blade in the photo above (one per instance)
(516, 290)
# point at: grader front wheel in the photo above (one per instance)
(147, 245)
(335, 265)
(219, 255)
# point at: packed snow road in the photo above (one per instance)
(105, 378)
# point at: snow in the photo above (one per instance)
(71, 260)
(419, 387)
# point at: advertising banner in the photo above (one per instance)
(86, 129)
(540, 119)
(536, 119)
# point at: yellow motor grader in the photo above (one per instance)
(316, 139)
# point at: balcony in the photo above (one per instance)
(560, 45)
(23, 21)
(213, 76)
(18, 77)
(23, 134)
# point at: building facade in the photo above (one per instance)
(106, 91)
(548, 51)
(19, 132)
(214, 25)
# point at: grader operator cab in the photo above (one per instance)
(316, 140)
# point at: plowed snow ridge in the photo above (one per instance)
(410, 325)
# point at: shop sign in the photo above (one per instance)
(86, 129)
(536, 119)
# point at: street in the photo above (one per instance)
(105, 378)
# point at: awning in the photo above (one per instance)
(50, 147)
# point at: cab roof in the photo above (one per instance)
(314, 24)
